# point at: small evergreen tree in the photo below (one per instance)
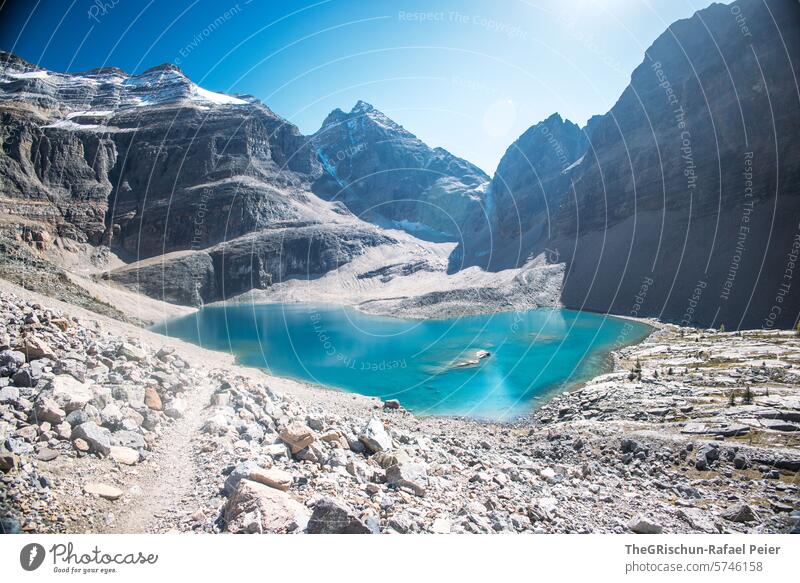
(747, 397)
(731, 398)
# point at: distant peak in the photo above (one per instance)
(11, 60)
(164, 67)
(362, 107)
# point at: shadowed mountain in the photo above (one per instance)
(682, 201)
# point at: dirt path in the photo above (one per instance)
(167, 480)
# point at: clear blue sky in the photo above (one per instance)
(467, 75)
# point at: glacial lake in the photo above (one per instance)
(431, 366)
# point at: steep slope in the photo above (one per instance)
(386, 175)
(153, 164)
(685, 205)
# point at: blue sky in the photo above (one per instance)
(467, 75)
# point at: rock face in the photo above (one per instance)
(386, 175)
(682, 201)
(256, 508)
(153, 165)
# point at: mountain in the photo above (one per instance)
(156, 184)
(682, 201)
(385, 174)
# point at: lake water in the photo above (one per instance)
(430, 366)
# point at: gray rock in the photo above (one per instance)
(333, 516)
(374, 436)
(739, 513)
(98, 438)
(412, 476)
(642, 525)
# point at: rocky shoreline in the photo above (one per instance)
(105, 427)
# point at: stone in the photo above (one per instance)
(642, 525)
(391, 404)
(46, 409)
(24, 378)
(387, 459)
(272, 477)
(111, 416)
(441, 526)
(124, 455)
(46, 455)
(335, 438)
(176, 408)
(297, 435)
(77, 417)
(11, 361)
(81, 445)
(8, 461)
(705, 456)
(374, 436)
(9, 394)
(241, 472)
(411, 476)
(131, 352)
(98, 438)
(152, 400)
(332, 516)
(126, 438)
(36, 348)
(103, 490)
(256, 508)
(740, 462)
(70, 392)
(739, 513)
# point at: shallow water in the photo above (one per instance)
(430, 366)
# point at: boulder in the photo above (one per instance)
(176, 408)
(98, 438)
(152, 400)
(739, 513)
(126, 438)
(391, 404)
(333, 516)
(297, 435)
(70, 393)
(124, 455)
(374, 436)
(129, 351)
(103, 490)
(642, 525)
(256, 508)
(11, 361)
(272, 477)
(411, 476)
(46, 409)
(35, 348)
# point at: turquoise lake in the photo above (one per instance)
(430, 366)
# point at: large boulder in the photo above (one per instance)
(411, 476)
(70, 393)
(374, 436)
(47, 409)
(333, 516)
(297, 435)
(256, 508)
(98, 438)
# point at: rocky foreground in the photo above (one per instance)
(696, 431)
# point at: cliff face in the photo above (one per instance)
(685, 204)
(386, 175)
(154, 165)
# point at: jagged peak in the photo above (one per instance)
(362, 107)
(10, 59)
(167, 67)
